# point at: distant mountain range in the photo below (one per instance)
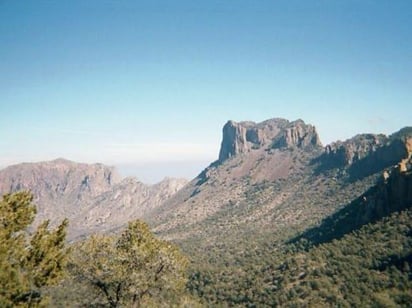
(277, 220)
(93, 197)
(273, 177)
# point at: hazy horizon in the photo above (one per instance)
(151, 83)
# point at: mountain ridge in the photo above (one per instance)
(92, 196)
(300, 231)
(280, 179)
(268, 175)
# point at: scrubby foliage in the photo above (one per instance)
(27, 263)
(342, 262)
(131, 270)
(369, 267)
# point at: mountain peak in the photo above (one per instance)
(243, 137)
(61, 160)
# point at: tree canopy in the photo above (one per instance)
(132, 269)
(28, 263)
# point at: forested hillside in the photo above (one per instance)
(369, 267)
(276, 221)
(334, 230)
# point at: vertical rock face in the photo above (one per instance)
(300, 135)
(277, 133)
(352, 150)
(367, 153)
(234, 140)
(394, 192)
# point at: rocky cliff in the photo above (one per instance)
(92, 196)
(366, 154)
(271, 177)
(269, 187)
(262, 180)
(392, 192)
(244, 137)
(275, 176)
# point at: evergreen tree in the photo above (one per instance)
(135, 269)
(27, 263)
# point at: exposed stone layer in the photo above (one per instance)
(279, 133)
(366, 154)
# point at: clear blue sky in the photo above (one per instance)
(146, 82)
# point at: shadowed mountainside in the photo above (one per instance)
(275, 177)
(277, 220)
(392, 192)
(253, 220)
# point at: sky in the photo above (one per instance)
(148, 85)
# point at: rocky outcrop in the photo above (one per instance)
(276, 133)
(92, 196)
(298, 134)
(343, 154)
(59, 178)
(393, 192)
(238, 138)
(366, 154)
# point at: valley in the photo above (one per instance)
(277, 220)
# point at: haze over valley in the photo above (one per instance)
(205, 154)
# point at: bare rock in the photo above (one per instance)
(366, 154)
(352, 150)
(298, 134)
(92, 196)
(278, 133)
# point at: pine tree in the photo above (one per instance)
(27, 263)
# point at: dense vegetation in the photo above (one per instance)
(358, 255)
(133, 269)
(28, 264)
(369, 267)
